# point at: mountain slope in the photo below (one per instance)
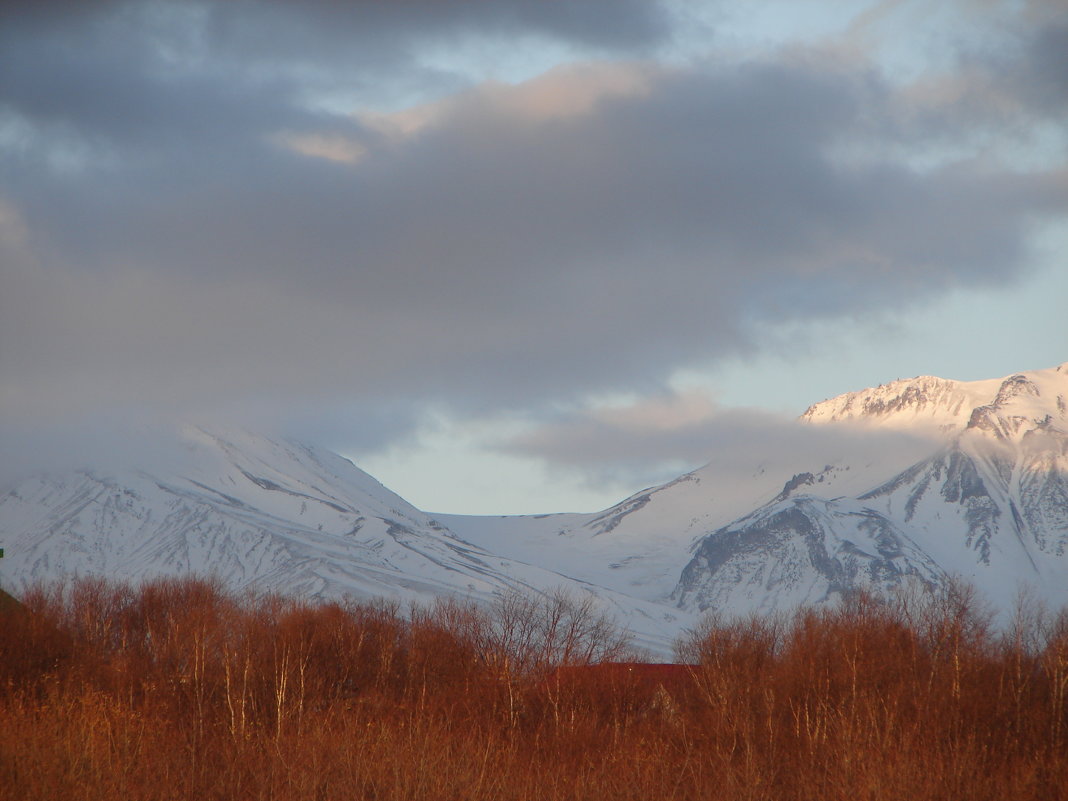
(266, 515)
(914, 481)
(774, 528)
(800, 551)
(989, 505)
(640, 545)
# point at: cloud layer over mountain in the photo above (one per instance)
(210, 204)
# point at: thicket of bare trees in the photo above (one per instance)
(177, 690)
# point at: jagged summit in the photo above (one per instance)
(953, 406)
(906, 402)
(989, 504)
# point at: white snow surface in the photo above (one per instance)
(964, 479)
(988, 505)
(721, 538)
(270, 515)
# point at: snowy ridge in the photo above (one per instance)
(990, 505)
(267, 515)
(924, 400)
(985, 498)
(801, 551)
(803, 528)
(931, 401)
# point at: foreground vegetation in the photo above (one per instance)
(176, 690)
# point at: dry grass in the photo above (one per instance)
(176, 690)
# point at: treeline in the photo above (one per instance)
(179, 690)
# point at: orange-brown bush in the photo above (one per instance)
(177, 690)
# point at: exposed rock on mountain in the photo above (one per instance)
(990, 505)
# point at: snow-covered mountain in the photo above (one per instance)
(913, 481)
(266, 515)
(921, 402)
(989, 504)
(919, 480)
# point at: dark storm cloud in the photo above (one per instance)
(601, 226)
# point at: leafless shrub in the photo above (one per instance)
(177, 690)
(536, 632)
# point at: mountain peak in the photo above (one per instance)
(923, 400)
(988, 500)
(1024, 402)
(951, 406)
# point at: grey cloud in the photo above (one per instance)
(104, 444)
(606, 451)
(1002, 91)
(358, 42)
(112, 86)
(590, 440)
(351, 428)
(596, 20)
(491, 258)
(1034, 71)
(602, 22)
(100, 82)
(1049, 64)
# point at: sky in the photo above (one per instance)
(520, 256)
